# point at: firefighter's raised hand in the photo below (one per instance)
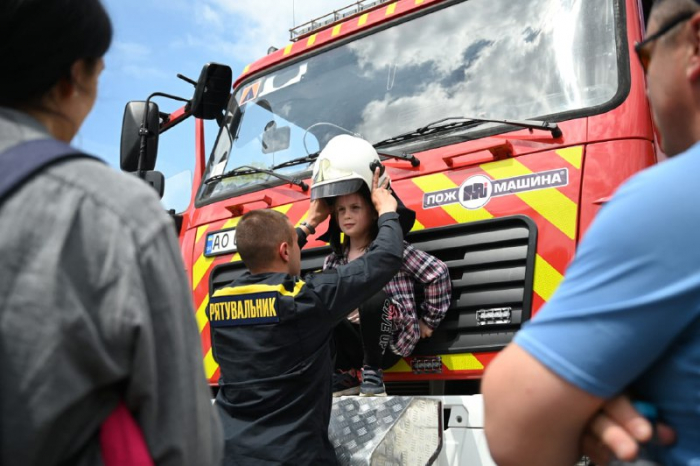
(318, 212)
(381, 195)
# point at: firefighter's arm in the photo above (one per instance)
(533, 416)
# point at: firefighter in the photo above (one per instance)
(271, 334)
(627, 316)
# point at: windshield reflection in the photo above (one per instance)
(480, 58)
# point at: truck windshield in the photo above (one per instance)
(486, 58)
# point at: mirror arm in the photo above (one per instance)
(144, 132)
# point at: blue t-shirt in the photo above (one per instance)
(627, 315)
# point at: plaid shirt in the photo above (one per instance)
(418, 266)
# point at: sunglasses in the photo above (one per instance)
(644, 52)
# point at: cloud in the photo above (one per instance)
(131, 51)
(251, 26)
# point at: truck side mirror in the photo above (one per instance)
(156, 180)
(212, 91)
(131, 138)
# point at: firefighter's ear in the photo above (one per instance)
(284, 252)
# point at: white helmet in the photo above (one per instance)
(343, 166)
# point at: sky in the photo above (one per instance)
(154, 40)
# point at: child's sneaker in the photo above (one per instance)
(345, 383)
(372, 382)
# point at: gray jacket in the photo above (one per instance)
(94, 307)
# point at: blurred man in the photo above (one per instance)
(627, 316)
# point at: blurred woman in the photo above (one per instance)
(94, 302)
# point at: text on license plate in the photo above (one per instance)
(220, 242)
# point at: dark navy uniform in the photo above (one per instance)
(271, 337)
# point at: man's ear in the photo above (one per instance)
(693, 68)
(284, 252)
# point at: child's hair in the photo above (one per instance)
(367, 196)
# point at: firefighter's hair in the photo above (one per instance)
(259, 235)
(41, 39)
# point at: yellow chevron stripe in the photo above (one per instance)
(201, 314)
(210, 365)
(401, 366)
(391, 9)
(454, 362)
(336, 30)
(259, 288)
(200, 232)
(363, 19)
(246, 69)
(200, 269)
(573, 155)
(417, 226)
(311, 41)
(461, 362)
(438, 182)
(418, 2)
(553, 205)
(288, 49)
(547, 278)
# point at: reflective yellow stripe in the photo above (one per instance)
(401, 366)
(336, 30)
(454, 362)
(363, 19)
(200, 269)
(288, 49)
(547, 278)
(201, 314)
(461, 362)
(417, 226)
(311, 41)
(259, 288)
(200, 232)
(573, 155)
(460, 214)
(552, 204)
(246, 69)
(210, 365)
(303, 218)
(391, 9)
(418, 2)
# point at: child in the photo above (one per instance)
(388, 326)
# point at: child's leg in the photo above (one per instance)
(347, 343)
(376, 329)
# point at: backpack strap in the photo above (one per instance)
(21, 162)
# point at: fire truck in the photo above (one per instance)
(504, 125)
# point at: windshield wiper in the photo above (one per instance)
(300, 160)
(467, 122)
(248, 170)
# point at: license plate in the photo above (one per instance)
(220, 242)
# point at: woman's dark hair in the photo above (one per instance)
(41, 39)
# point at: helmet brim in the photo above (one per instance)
(336, 188)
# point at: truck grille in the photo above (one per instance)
(491, 266)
